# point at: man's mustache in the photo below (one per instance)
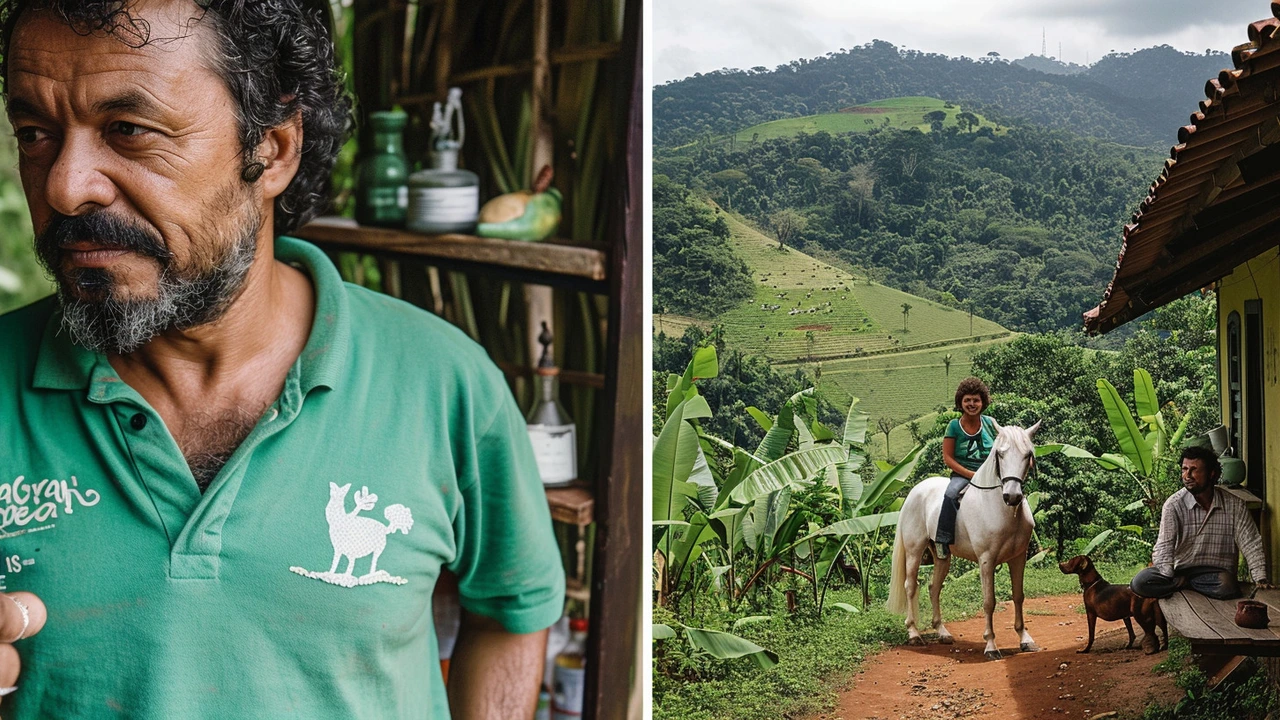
(99, 228)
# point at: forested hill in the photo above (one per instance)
(1020, 226)
(1137, 98)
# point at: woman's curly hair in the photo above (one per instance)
(275, 56)
(973, 386)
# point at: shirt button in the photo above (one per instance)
(138, 421)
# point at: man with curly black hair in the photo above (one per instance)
(202, 421)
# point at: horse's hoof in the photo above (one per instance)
(946, 639)
(917, 640)
(994, 655)
(1029, 647)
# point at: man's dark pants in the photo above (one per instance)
(1209, 581)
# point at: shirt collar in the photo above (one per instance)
(1189, 500)
(62, 365)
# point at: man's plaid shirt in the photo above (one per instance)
(1190, 536)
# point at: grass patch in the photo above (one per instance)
(901, 113)
(818, 655)
(1249, 699)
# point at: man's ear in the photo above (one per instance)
(280, 152)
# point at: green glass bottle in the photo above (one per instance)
(382, 184)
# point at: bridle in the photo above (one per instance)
(1011, 478)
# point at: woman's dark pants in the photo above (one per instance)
(950, 505)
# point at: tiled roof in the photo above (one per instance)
(1217, 201)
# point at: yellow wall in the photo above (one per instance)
(1257, 279)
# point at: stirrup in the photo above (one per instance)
(944, 551)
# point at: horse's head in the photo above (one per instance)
(1014, 454)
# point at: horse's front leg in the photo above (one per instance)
(913, 587)
(940, 570)
(987, 568)
(1016, 567)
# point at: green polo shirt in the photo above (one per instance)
(395, 441)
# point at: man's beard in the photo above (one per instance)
(94, 311)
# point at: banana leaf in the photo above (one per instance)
(1096, 541)
(761, 419)
(778, 436)
(850, 484)
(1144, 395)
(663, 632)
(891, 480)
(743, 465)
(855, 425)
(786, 471)
(674, 454)
(700, 476)
(728, 524)
(1131, 441)
(725, 646)
(861, 525)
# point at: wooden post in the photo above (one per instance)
(538, 298)
(619, 492)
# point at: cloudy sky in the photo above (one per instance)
(692, 36)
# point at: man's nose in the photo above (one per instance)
(77, 181)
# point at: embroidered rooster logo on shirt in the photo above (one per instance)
(356, 537)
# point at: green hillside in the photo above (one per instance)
(831, 319)
(901, 113)
(846, 315)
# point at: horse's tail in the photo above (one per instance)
(897, 602)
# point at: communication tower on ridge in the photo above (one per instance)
(1044, 49)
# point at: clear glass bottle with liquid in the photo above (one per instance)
(552, 432)
(571, 674)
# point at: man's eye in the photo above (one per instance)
(28, 135)
(129, 129)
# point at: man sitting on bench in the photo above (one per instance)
(1200, 530)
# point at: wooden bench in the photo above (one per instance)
(1210, 624)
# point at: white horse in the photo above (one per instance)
(991, 528)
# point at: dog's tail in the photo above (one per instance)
(897, 602)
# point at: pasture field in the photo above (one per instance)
(810, 313)
(797, 295)
(674, 325)
(900, 113)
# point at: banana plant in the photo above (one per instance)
(1143, 436)
(718, 644)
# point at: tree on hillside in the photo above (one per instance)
(730, 180)
(787, 224)
(809, 339)
(906, 310)
(968, 120)
(935, 120)
(885, 426)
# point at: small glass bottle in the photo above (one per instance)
(444, 199)
(544, 705)
(383, 193)
(551, 431)
(571, 674)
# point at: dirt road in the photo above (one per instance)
(938, 682)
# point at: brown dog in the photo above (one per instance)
(1117, 602)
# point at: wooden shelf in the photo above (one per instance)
(572, 505)
(552, 261)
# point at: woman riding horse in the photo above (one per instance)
(965, 445)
